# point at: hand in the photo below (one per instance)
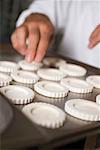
(39, 31)
(94, 37)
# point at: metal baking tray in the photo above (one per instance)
(27, 134)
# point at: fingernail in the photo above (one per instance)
(28, 58)
(90, 45)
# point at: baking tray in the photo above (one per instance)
(35, 135)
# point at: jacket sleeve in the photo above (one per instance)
(46, 7)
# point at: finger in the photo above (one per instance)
(46, 33)
(42, 47)
(21, 36)
(33, 40)
(94, 42)
(15, 44)
(95, 37)
(95, 32)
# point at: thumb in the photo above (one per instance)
(94, 37)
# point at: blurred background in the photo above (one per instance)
(9, 12)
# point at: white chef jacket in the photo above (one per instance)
(74, 20)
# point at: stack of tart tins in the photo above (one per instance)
(73, 70)
(77, 85)
(83, 109)
(18, 94)
(8, 66)
(50, 89)
(94, 80)
(5, 79)
(53, 62)
(98, 99)
(25, 77)
(50, 74)
(33, 66)
(46, 115)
